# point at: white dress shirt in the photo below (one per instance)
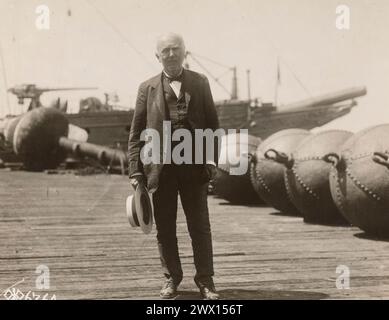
(175, 85)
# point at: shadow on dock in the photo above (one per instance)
(243, 294)
(285, 214)
(366, 236)
(248, 205)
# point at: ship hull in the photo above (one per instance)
(112, 128)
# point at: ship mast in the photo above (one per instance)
(278, 82)
(248, 85)
(249, 115)
(5, 79)
(234, 89)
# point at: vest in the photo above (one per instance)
(176, 108)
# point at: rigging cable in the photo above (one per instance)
(277, 50)
(120, 34)
(210, 60)
(296, 77)
(5, 79)
(209, 73)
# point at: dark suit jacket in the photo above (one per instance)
(150, 113)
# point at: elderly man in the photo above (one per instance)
(184, 98)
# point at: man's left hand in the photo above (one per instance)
(211, 170)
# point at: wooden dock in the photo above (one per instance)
(77, 226)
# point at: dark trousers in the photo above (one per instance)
(188, 181)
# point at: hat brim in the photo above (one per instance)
(140, 209)
(131, 212)
(144, 208)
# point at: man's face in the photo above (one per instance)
(171, 53)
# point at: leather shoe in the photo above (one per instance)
(208, 292)
(169, 289)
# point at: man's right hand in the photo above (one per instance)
(136, 180)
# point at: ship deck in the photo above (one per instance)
(77, 226)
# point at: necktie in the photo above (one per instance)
(176, 78)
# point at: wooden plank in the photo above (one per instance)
(76, 225)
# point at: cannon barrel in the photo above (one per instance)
(40, 138)
(32, 89)
(105, 155)
(328, 99)
(47, 89)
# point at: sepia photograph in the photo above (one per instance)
(220, 150)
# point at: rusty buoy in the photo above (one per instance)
(236, 188)
(307, 177)
(359, 180)
(35, 138)
(267, 176)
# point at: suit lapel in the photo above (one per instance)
(157, 92)
(188, 88)
(157, 97)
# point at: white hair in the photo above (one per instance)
(168, 35)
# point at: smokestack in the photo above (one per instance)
(234, 89)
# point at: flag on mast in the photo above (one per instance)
(278, 71)
(278, 82)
